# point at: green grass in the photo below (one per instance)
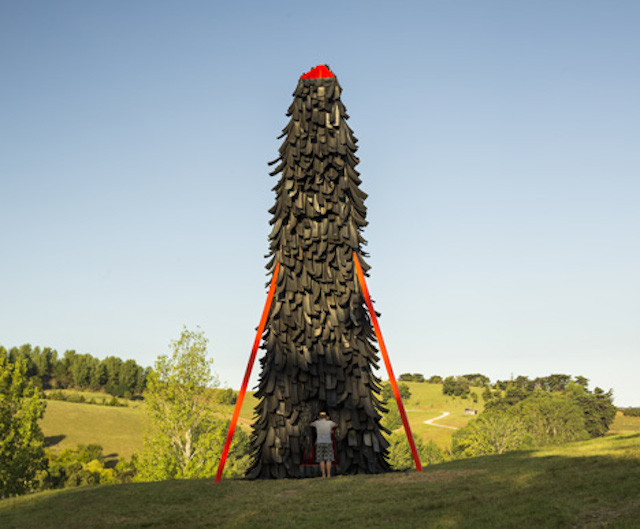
(118, 430)
(623, 424)
(97, 396)
(589, 484)
(427, 402)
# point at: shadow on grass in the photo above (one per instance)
(591, 484)
(111, 460)
(53, 440)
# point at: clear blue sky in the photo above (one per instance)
(499, 145)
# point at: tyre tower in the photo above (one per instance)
(318, 339)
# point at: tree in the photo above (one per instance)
(130, 372)
(184, 439)
(392, 420)
(401, 458)
(112, 365)
(493, 432)
(456, 386)
(552, 418)
(599, 411)
(477, 379)
(98, 374)
(411, 377)
(21, 440)
(81, 370)
(227, 396)
(387, 396)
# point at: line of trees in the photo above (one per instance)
(525, 413)
(46, 369)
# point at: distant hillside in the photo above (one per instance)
(119, 429)
(588, 484)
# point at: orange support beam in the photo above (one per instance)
(387, 362)
(247, 374)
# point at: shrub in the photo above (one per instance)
(400, 456)
(227, 396)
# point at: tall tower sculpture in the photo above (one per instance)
(318, 340)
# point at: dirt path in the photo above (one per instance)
(444, 414)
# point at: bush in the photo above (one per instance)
(456, 387)
(411, 377)
(493, 432)
(387, 393)
(392, 420)
(227, 396)
(401, 458)
(81, 466)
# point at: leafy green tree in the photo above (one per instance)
(435, 379)
(401, 458)
(112, 365)
(81, 370)
(456, 386)
(599, 411)
(98, 374)
(21, 440)
(487, 394)
(411, 377)
(387, 393)
(477, 379)
(392, 420)
(227, 396)
(128, 377)
(552, 418)
(83, 465)
(184, 439)
(493, 432)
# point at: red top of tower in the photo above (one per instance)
(319, 72)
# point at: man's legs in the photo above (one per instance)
(323, 468)
(328, 469)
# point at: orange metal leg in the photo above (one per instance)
(387, 362)
(247, 374)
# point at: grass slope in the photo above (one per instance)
(589, 484)
(120, 430)
(428, 402)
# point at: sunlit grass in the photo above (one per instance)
(118, 430)
(587, 484)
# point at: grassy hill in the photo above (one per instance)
(428, 402)
(119, 430)
(588, 484)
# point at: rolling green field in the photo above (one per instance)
(589, 484)
(120, 430)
